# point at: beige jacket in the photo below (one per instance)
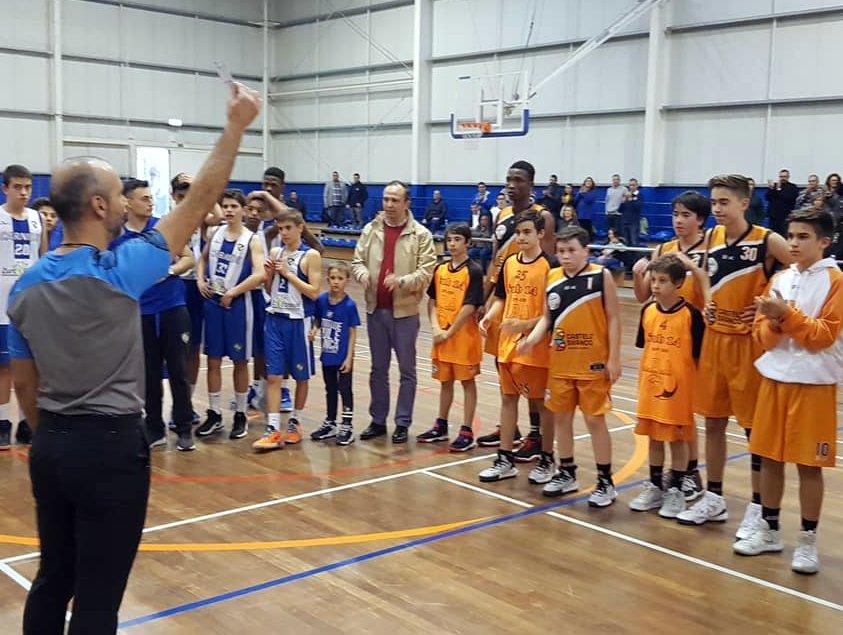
(415, 259)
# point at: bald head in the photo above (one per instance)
(77, 182)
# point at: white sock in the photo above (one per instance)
(192, 388)
(260, 389)
(273, 420)
(240, 400)
(295, 414)
(214, 402)
(285, 383)
(4, 411)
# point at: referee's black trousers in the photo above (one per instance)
(90, 480)
(166, 338)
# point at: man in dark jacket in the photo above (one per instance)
(631, 208)
(436, 214)
(781, 197)
(357, 195)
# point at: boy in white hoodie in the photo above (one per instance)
(798, 325)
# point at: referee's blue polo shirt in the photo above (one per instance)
(76, 315)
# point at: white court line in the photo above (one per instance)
(305, 495)
(649, 545)
(17, 577)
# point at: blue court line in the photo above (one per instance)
(339, 564)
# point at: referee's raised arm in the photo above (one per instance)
(209, 184)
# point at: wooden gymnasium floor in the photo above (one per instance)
(380, 539)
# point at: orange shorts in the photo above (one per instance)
(591, 395)
(664, 431)
(447, 371)
(520, 379)
(796, 423)
(727, 380)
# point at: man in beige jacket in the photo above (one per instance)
(394, 262)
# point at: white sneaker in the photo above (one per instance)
(650, 497)
(750, 519)
(710, 508)
(603, 495)
(673, 503)
(692, 487)
(502, 468)
(761, 540)
(543, 472)
(805, 556)
(563, 482)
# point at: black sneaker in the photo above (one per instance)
(240, 428)
(328, 430)
(464, 441)
(155, 435)
(185, 441)
(195, 420)
(400, 435)
(212, 424)
(346, 434)
(439, 432)
(5, 434)
(493, 439)
(530, 450)
(23, 435)
(374, 430)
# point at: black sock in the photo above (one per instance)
(692, 465)
(715, 487)
(604, 473)
(568, 465)
(509, 455)
(809, 525)
(347, 416)
(756, 498)
(467, 427)
(443, 423)
(535, 424)
(656, 475)
(771, 515)
(677, 478)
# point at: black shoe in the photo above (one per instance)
(439, 432)
(210, 425)
(240, 428)
(23, 435)
(400, 435)
(530, 450)
(493, 439)
(5, 434)
(155, 435)
(185, 441)
(373, 431)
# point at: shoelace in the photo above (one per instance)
(292, 426)
(345, 428)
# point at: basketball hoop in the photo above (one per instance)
(472, 131)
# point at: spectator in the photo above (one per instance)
(334, 199)
(568, 195)
(553, 205)
(481, 251)
(436, 214)
(633, 203)
(813, 191)
(755, 213)
(833, 184)
(52, 224)
(585, 203)
(554, 189)
(296, 203)
(500, 203)
(781, 199)
(609, 257)
(834, 201)
(357, 196)
(394, 261)
(568, 218)
(477, 213)
(614, 197)
(482, 196)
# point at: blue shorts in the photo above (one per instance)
(228, 332)
(196, 308)
(259, 311)
(4, 344)
(288, 350)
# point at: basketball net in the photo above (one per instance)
(472, 132)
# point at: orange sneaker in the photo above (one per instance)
(271, 440)
(293, 433)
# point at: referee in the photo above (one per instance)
(78, 369)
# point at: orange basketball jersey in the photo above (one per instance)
(737, 274)
(579, 335)
(521, 286)
(671, 340)
(452, 289)
(690, 289)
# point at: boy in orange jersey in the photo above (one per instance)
(741, 258)
(798, 324)
(690, 213)
(670, 332)
(455, 291)
(582, 315)
(519, 301)
(519, 188)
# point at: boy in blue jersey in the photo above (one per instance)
(338, 319)
(230, 267)
(165, 324)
